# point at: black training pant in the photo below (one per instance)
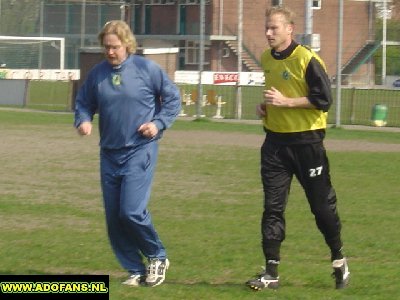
(310, 165)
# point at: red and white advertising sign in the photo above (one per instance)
(225, 78)
(220, 78)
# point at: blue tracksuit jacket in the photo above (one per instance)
(125, 97)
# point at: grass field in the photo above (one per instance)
(206, 205)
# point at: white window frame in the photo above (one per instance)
(280, 3)
(316, 4)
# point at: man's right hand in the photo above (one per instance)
(85, 128)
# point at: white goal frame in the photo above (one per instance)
(25, 38)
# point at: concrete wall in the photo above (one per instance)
(13, 91)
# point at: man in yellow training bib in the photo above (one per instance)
(297, 97)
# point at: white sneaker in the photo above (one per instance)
(135, 280)
(156, 271)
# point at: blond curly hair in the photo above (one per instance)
(122, 30)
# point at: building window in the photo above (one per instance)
(316, 4)
(192, 53)
(190, 2)
(193, 2)
(277, 2)
(159, 2)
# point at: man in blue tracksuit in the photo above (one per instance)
(136, 102)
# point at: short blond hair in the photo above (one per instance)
(287, 13)
(122, 30)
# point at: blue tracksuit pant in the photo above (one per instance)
(126, 179)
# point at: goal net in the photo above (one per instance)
(18, 52)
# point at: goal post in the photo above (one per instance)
(33, 73)
(24, 52)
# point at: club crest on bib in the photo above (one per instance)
(285, 75)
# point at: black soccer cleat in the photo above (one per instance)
(263, 281)
(341, 273)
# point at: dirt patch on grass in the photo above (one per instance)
(194, 137)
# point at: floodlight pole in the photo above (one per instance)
(220, 32)
(41, 26)
(384, 26)
(83, 23)
(339, 64)
(221, 17)
(199, 101)
(62, 53)
(239, 62)
(126, 12)
(308, 24)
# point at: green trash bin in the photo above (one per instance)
(379, 115)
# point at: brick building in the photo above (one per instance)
(176, 24)
(164, 23)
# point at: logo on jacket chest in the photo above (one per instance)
(116, 79)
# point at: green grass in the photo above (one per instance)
(20, 117)
(50, 95)
(206, 205)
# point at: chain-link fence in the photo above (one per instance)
(79, 21)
